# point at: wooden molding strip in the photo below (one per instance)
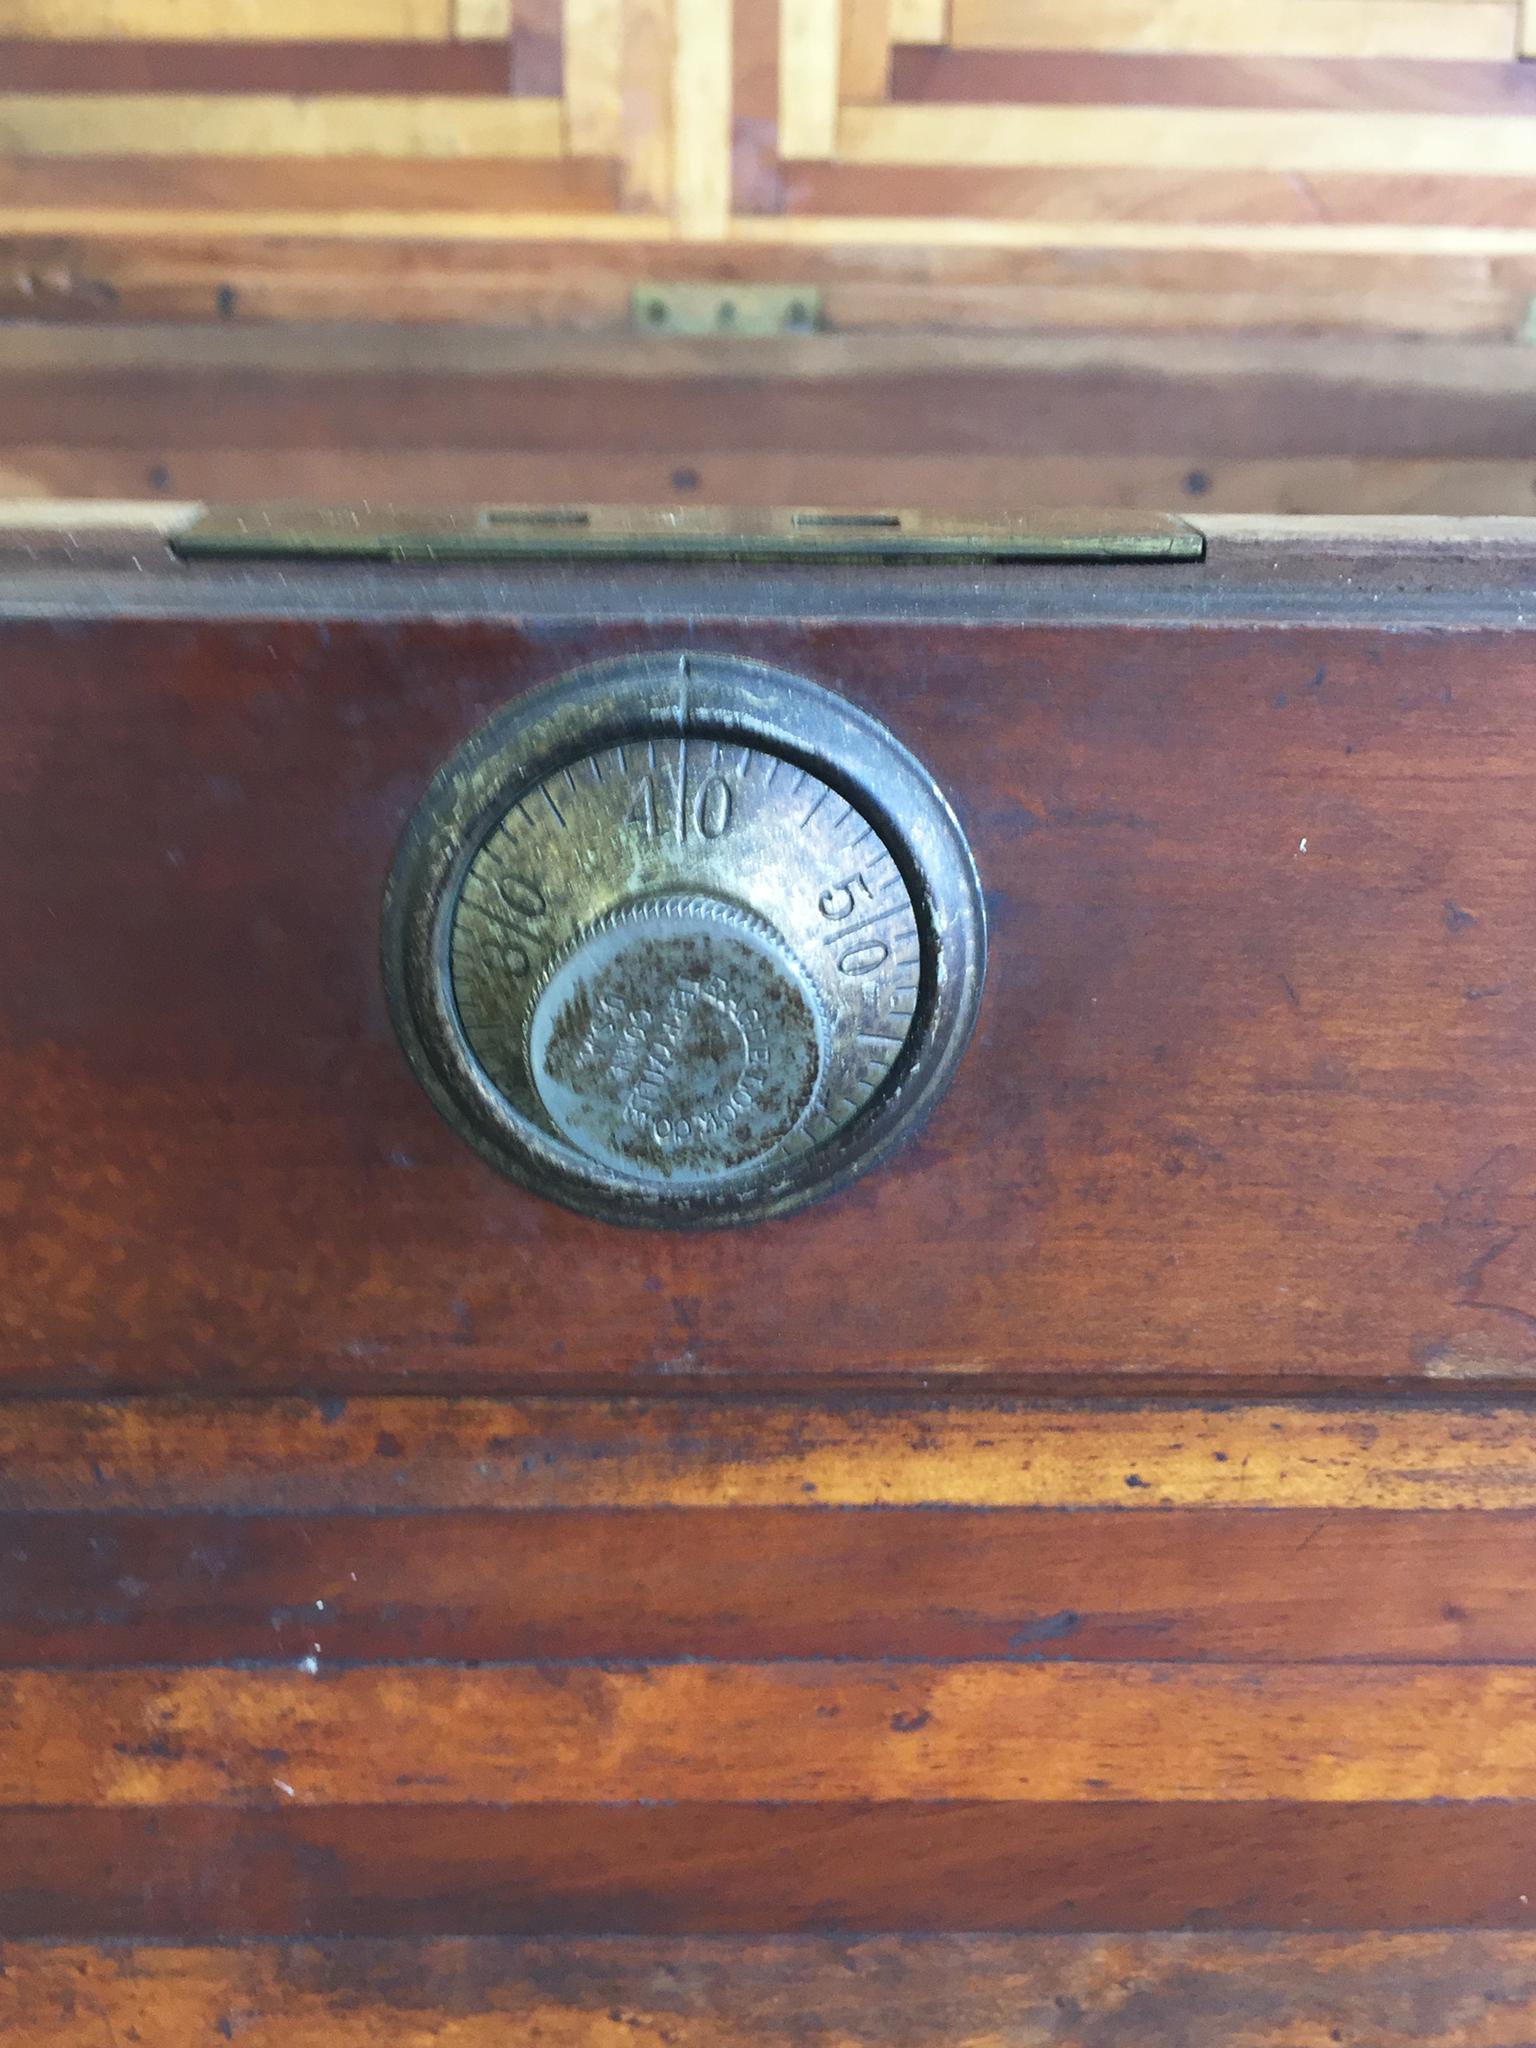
(951, 232)
(105, 225)
(791, 1732)
(1435, 1990)
(1342, 1586)
(1454, 380)
(965, 484)
(729, 1868)
(416, 1451)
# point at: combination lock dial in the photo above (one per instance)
(683, 940)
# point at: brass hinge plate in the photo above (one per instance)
(695, 533)
(743, 310)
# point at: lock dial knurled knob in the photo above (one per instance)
(658, 945)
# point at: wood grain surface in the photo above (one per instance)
(1250, 1077)
(1424, 1991)
(732, 1583)
(1074, 1588)
(786, 1733)
(966, 423)
(635, 1714)
(305, 1456)
(249, 1873)
(814, 131)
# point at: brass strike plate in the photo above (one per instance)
(694, 533)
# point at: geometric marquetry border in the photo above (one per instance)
(1379, 126)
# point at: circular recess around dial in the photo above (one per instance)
(683, 940)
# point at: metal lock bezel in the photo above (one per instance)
(657, 695)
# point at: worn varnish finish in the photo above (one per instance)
(1250, 1085)
(1074, 1588)
(742, 1582)
(200, 1872)
(1423, 1991)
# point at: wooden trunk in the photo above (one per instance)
(1076, 1586)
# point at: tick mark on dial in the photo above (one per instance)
(559, 814)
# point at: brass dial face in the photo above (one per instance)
(684, 957)
(683, 940)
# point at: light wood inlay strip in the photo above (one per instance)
(1191, 138)
(810, 35)
(1454, 30)
(649, 87)
(265, 125)
(920, 21)
(482, 20)
(594, 97)
(701, 117)
(864, 60)
(236, 20)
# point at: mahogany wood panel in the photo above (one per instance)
(273, 264)
(630, 1596)
(973, 424)
(1244, 1108)
(200, 1872)
(1094, 408)
(428, 1617)
(976, 484)
(740, 1582)
(1414, 1991)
